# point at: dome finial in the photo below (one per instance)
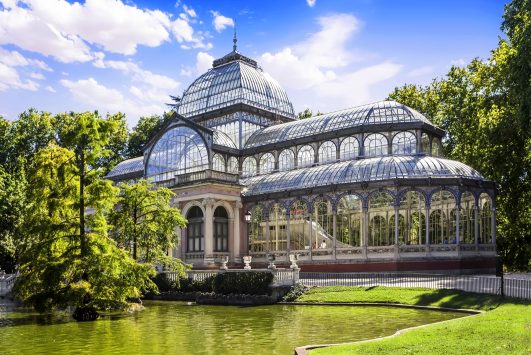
(234, 40)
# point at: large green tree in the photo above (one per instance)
(145, 223)
(67, 258)
(485, 110)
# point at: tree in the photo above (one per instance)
(144, 222)
(145, 129)
(67, 258)
(307, 113)
(485, 110)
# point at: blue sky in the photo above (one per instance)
(128, 56)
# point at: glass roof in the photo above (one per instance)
(129, 166)
(379, 112)
(235, 82)
(363, 170)
(221, 138)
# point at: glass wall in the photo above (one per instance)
(404, 143)
(257, 236)
(349, 221)
(323, 224)
(195, 240)
(218, 163)
(467, 219)
(349, 148)
(327, 152)
(232, 166)
(442, 226)
(412, 223)
(278, 237)
(305, 156)
(375, 145)
(425, 144)
(299, 226)
(485, 222)
(267, 163)
(180, 150)
(286, 160)
(249, 167)
(380, 211)
(436, 147)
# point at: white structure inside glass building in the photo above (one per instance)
(361, 189)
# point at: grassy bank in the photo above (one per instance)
(504, 329)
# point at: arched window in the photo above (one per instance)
(442, 218)
(404, 143)
(299, 227)
(232, 166)
(375, 145)
(180, 150)
(221, 229)
(485, 216)
(195, 230)
(286, 160)
(218, 163)
(467, 219)
(257, 239)
(323, 216)
(349, 148)
(278, 236)
(249, 167)
(267, 163)
(305, 157)
(380, 211)
(327, 152)
(425, 143)
(349, 222)
(413, 229)
(436, 147)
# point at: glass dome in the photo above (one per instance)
(234, 79)
(376, 113)
(365, 170)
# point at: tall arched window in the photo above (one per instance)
(218, 163)
(299, 227)
(485, 216)
(195, 230)
(278, 236)
(375, 145)
(180, 150)
(413, 230)
(323, 219)
(442, 227)
(267, 163)
(305, 156)
(349, 221)
(425, 144)
(221, 229)
(467, 219)
(327, 152)
(404, 143)
(286, 160)
(232, 166)
(349, 148)
(249, 167)
(436, 147)
(257, 240)
(380, 211)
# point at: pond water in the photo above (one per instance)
(178, 328)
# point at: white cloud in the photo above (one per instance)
(311, 3)
(186, 72)
(184, 33)
(15, 59)
(421, 71)
(50, 89)
(325, 71)
(9, 78)
(37, 76)
(458, 62)
(221, 22)
(203, 62)
(189, 11)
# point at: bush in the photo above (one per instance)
(188, 285)
(295, 292)
(162, 282)
(249, 283)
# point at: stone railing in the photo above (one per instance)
(7, 281)
(198, 176)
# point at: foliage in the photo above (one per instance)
(250, 283)
(307, 113)
(295, 292)
(144, 130)
(162, 282)
(144, 222)
(189, 285)
(503, 329)
(485, 110)
(66, 258)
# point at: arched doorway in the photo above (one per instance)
(195, 237)
(221, 230)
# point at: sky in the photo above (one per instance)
(129, 56)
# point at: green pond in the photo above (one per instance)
(165, 327)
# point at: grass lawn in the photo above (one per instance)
(504, 329)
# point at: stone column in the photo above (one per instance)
(209, 231)
(236, 232)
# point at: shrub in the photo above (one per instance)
(295, 292)
(250, 283)
(162, 282)
(189, 285)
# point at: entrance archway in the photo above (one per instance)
(221, 230)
